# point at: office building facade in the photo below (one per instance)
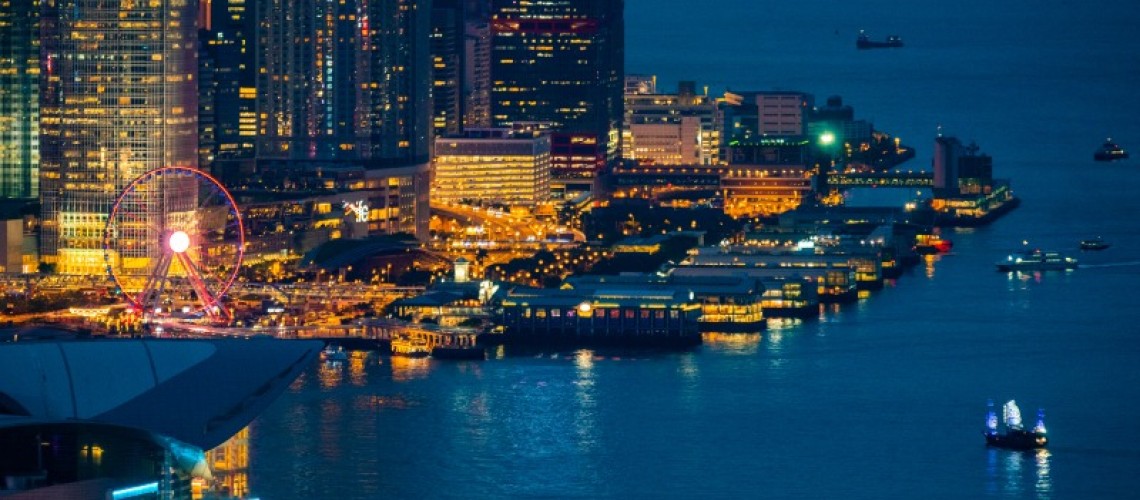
(19, 98)
(671, 129)
(493, 165)
(562, 62)
(348, 85)
(118, 97)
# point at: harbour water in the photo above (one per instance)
(884, 398)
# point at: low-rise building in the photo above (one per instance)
(602, 315)
(511, 167)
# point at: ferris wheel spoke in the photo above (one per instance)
(198, 283)
(155, 283)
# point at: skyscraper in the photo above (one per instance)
(346, 84)
(448, 50)
(118, 97)
(19, 98)
(226, 83)
(561, 61)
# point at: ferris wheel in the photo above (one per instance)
(174, 243)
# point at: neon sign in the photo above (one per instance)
(358, 208)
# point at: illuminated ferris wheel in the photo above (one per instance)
(174, 243)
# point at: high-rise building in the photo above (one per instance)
(448, 51)
(19, 98)
(561, 61)
(348, 84)
(118, 97)
(493, 165)
(227, 70)
(477, 72)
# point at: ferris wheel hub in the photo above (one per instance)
(179, 241)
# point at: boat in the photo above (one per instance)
(1012, 434)
(1110, 151)
(1094, 244)
(1036, 260)
(333, 353)
(864, 42)
(403, 345)
(928, 244)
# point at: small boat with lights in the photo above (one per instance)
(334, 353)
(1036, 260)
(864, 42)
(929, 244)
(1011, 434)
(1110, 151)
(1094, 244)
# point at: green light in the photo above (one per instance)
(827, 138)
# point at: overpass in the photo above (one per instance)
(892, 179)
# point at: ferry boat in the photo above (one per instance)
(864, 42)
(333, 352)
(1036, 260)
(1012, 435)
(1094, 244)
(1110, 151)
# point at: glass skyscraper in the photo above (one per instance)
(19, 98)
(346, 84)
(118, 97)
(562, 62)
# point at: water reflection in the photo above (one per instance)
(928, 262)
(584, 423)
(405, 368)
(732, 343)
(330, 374)
(1019, 474)
(357, 361)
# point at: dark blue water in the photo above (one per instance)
(883, 399)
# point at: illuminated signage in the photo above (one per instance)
(358, 208)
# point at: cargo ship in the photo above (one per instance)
(1012, 435)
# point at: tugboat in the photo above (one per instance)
(1014, 437)
(864, 42)
(1094, 244)
(1036, 260)
(1110, 151)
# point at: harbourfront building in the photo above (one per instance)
(671, 129)
(604, 315)
(348, 85)
(493, 165)
(19, 98)
(118, 97)
(562, 62)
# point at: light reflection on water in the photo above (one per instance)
(1019, 474)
